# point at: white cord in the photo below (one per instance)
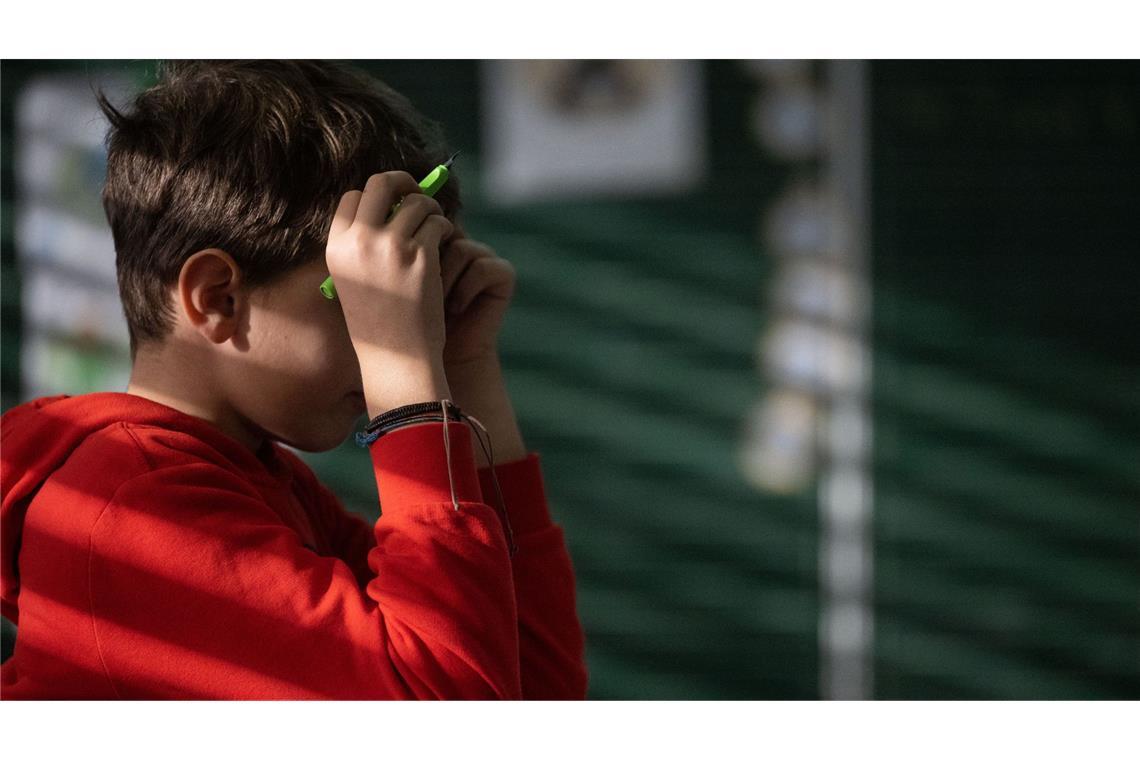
(447, 453)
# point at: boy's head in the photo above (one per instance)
(222, 180)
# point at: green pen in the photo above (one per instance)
(429, 184)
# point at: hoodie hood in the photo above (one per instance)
(38, 436)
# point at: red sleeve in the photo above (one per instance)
(551, 641)
(199, 590)
(350, 537)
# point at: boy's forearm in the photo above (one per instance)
(478, 388)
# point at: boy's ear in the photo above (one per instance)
(211, 294)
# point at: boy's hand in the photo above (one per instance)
(478, 286)
(388, 282)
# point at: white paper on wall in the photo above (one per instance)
(556, 129)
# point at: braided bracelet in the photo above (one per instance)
(427, 411)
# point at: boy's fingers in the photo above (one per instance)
(434, 229)
(381, 192)
(491, 276)
(455, 261)
(345, 213)
(413, 211)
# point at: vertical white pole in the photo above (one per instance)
(846, 551)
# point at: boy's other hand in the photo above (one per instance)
(388, 282)
(478, 286)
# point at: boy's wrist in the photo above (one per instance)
(479, 389)
(391, 387)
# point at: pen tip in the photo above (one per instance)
(448, 162)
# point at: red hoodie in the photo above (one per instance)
(146, 554)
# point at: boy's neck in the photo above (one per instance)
(157, 376)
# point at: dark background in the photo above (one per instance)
(1006, 398)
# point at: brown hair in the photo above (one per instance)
(251, 157)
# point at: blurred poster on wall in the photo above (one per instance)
(75, 335)
(564, 128)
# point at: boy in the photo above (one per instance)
(159, 543)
